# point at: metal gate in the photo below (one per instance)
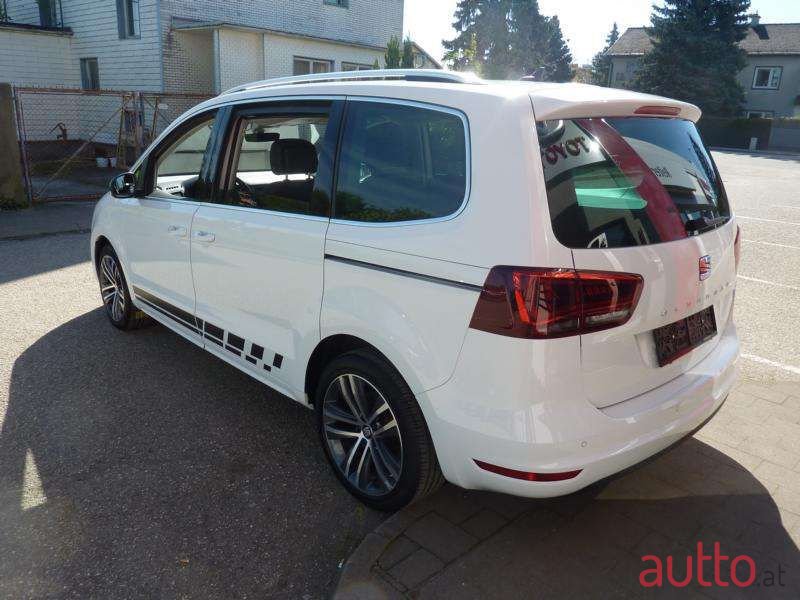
(74, 141)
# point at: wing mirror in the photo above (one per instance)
(123, 186)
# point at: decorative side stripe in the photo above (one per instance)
(403, 273)
(233, 343)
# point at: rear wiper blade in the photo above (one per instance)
(698, 226)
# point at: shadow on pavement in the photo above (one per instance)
(591, 544)
(137, 465)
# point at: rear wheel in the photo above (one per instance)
(114, 292)
(373, 432)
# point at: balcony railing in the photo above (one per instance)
(46, 14)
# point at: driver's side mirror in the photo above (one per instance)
(123, 185)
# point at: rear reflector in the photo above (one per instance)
(525, 475)
(662, 111)
(536, 303)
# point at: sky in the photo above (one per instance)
(585, 23)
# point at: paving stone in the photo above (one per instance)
(437, 535)
(770, 452)
(454, 504)
(784, 477)
(763, 392)
(416, 568)
(400, 548)
(508, 506)
(484, 524)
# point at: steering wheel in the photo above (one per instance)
(243, 187)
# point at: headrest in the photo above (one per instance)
(293, 157)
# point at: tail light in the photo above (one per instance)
(539, 303)
(737, 247)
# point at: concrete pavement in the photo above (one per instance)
(46, 219)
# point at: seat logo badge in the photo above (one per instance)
(705, 267)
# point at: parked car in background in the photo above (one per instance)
(512, 286)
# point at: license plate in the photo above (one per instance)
(678, 338)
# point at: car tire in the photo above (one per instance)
(114, 292)
(373, 432)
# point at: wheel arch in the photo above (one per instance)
(333, 346)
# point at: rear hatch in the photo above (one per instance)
(641, 195)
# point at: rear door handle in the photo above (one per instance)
(176, 230)
(204, 236)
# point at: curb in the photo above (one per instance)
(33, 236)
(357, 581)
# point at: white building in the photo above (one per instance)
(199, 46)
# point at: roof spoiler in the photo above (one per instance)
(571, 101)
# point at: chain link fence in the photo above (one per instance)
(74, 141)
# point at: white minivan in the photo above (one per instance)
(511, 286)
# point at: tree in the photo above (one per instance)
(695, 55)
(376, 65)
(407, 61)
(557, 57)
(393, 57)
(508, 39)
(601, 64)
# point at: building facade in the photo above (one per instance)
(771, 79)
(197, 46)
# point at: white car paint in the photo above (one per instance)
(595, 402)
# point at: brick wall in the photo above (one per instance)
(189, 62)
(241, 57)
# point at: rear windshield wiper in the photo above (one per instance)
(703, 224)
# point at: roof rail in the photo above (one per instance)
(434, 75)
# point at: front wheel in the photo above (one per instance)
(373, 432)
(114, 292)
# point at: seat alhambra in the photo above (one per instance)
(512, 286)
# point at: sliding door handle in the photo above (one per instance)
(204, 236)
(176, 230)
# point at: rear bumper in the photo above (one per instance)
(552, 428)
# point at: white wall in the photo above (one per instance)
(189, 62)
(279, 53)
(241, 57)
(36, 58)
(129, 64)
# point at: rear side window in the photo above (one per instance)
(400, 163)
(629, 181)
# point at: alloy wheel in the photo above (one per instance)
(112, 287)
(362, 435)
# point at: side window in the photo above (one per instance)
(275, 163)
(400, 163)
(178, 167)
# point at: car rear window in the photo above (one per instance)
(629, 181)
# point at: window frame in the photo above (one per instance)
(150, 161)
(86, 74)
(228, 139)
(771, 69)
(311, 61)
(337, 3)
(129, 12)
(358, 66)
(426, 106)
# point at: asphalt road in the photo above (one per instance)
(136, 465)
(765, 193)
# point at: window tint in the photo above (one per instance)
(179, 165)
(628, 181)
(400, 163)
(276, 162)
